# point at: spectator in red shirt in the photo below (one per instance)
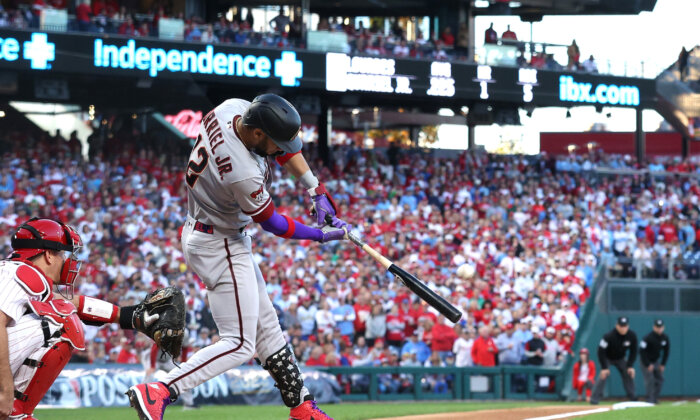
(362, 312)
(316, 358)
(484, 315)
(508, 34)
(82, 15)
(668, 230)
(447, 37)
(584, 375)
(126, 354)
(484, 350)
(409, 321)
(58, 4)
(490, 36)
(395, 327)
(127, 27)
(443, 338)
(97, 7)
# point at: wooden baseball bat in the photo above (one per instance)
(410, 281)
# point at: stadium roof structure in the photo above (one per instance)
(534, 9)
(528, 10)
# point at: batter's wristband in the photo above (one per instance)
(291, 227)
(126, 317)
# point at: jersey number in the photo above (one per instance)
(195, 168)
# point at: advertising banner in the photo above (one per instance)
(50, 52)
(323, 73)
(86, 385)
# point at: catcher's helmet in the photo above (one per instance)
(36, 236)
(277, 118)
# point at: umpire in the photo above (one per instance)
(611, 351)
(653, 365)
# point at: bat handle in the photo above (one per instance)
(357, 241)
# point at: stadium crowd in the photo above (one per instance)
(512, 241)
(283, 31)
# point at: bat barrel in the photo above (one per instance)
(427, 294)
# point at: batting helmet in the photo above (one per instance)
(36, 236)
(277, 118)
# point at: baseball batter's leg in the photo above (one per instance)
(233, 299)
(234, 305)
(279, 360)
(272, 349)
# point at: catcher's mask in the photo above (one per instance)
(36, 236)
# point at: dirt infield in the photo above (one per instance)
(520, 413)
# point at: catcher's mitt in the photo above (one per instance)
(161, 316)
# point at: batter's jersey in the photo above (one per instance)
(225, 180)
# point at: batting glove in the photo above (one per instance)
(323, 205)
(332, 233)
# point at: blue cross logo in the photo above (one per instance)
(289, 69)
(39, 51)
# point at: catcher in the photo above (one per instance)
(38, 330)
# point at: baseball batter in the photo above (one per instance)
(226, 178)
(37, 329)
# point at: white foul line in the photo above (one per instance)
(571, 414)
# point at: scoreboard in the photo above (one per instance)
(403, 77)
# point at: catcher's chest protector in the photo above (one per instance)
(62, 313)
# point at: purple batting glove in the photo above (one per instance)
(324, 205)
(330, 233)
(336, 223)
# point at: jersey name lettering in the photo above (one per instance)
(223, 165)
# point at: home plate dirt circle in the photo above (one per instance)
(521, 413)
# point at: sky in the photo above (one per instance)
(654, 38)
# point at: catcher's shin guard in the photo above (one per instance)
(42, 368)
(284, 370)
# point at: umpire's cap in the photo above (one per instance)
(277, 118)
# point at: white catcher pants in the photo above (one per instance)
(239, 303)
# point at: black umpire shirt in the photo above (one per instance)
(651, 347)
(613, 346)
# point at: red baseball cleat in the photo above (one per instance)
(149, 400)
(308, 411)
